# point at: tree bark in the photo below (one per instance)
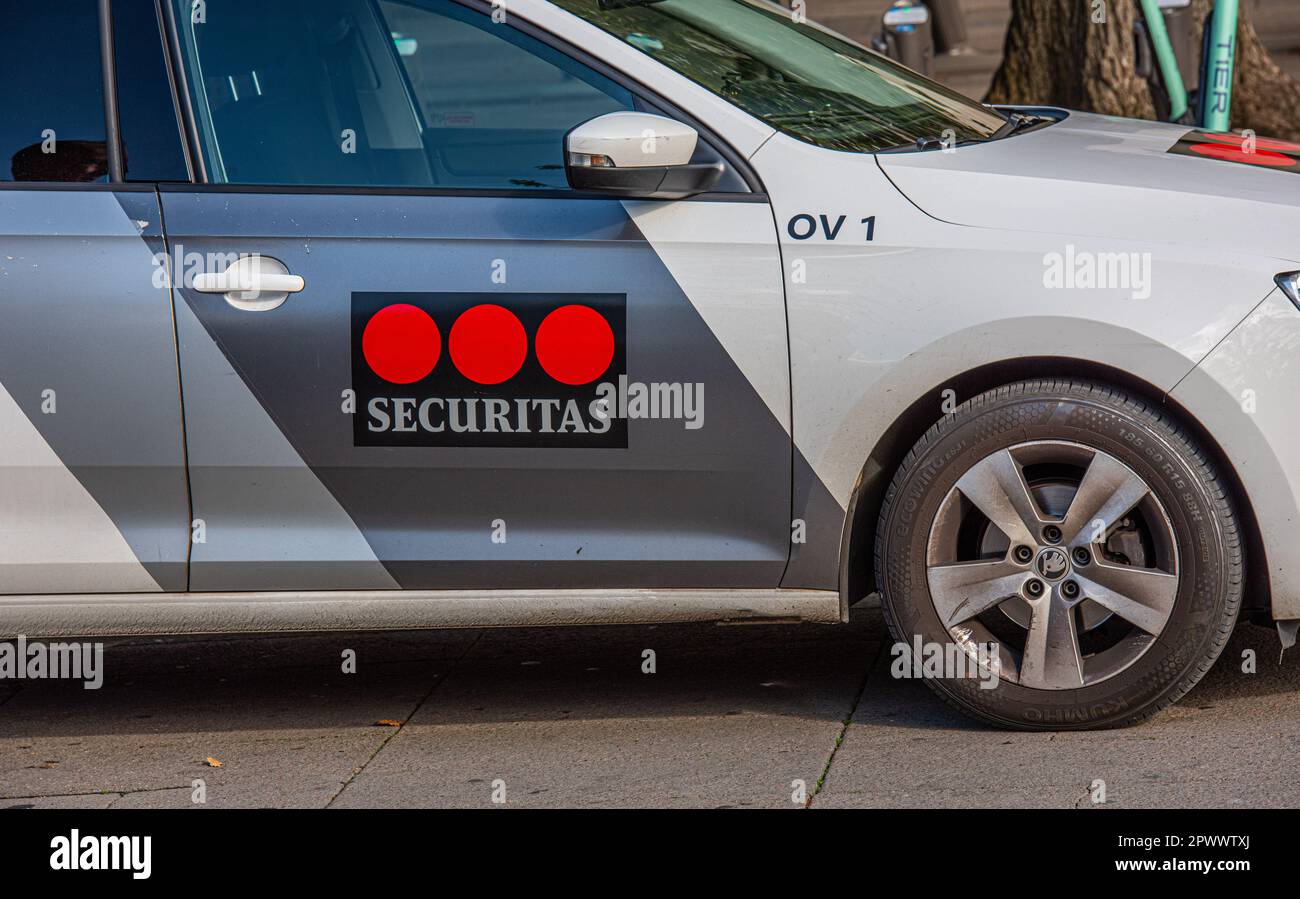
(1057, 54)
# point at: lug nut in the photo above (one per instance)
(1081, 556)
(1024, 554)
(1034, 588)
(1052, 534)
(1070, 589)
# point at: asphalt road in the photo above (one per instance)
(732, 716)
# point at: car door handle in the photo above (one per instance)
(223, 283)
(252, 283)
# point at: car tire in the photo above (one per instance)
(1157, 575)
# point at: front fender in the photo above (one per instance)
(1244, 393)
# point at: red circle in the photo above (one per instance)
(401, 343)
(575, 345)
(488, 344)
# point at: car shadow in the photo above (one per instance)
(343, 680)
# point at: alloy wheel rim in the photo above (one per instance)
(1088, 577)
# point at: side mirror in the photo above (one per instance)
(636, 154)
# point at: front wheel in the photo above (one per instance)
(1072, 541)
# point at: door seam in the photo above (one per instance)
(180, 390)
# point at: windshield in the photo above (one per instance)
(796, 77)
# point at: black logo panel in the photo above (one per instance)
(488, 369)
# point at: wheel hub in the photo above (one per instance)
(1053, 564)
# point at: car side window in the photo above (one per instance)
(382, 93)
(52, 128)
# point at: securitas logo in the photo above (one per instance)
(535, 370)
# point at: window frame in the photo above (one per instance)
(178, 107)
(643, 95)
(112, 119)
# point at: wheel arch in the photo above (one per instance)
(858, 543)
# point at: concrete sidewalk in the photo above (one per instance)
(733, 716)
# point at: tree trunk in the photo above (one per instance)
(1056, 53)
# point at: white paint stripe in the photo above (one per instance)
(54, 536)
(724, 256)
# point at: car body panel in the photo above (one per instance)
(816, 313)
(1106, 177)
(130, 615)
(679, 506)
(1244, 394)
(92, 463)
(876, 325)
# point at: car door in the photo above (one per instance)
(92, 478)
(460, 373)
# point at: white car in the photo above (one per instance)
(332, 314)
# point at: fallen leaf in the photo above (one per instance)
(213, 763)
(387, 722)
